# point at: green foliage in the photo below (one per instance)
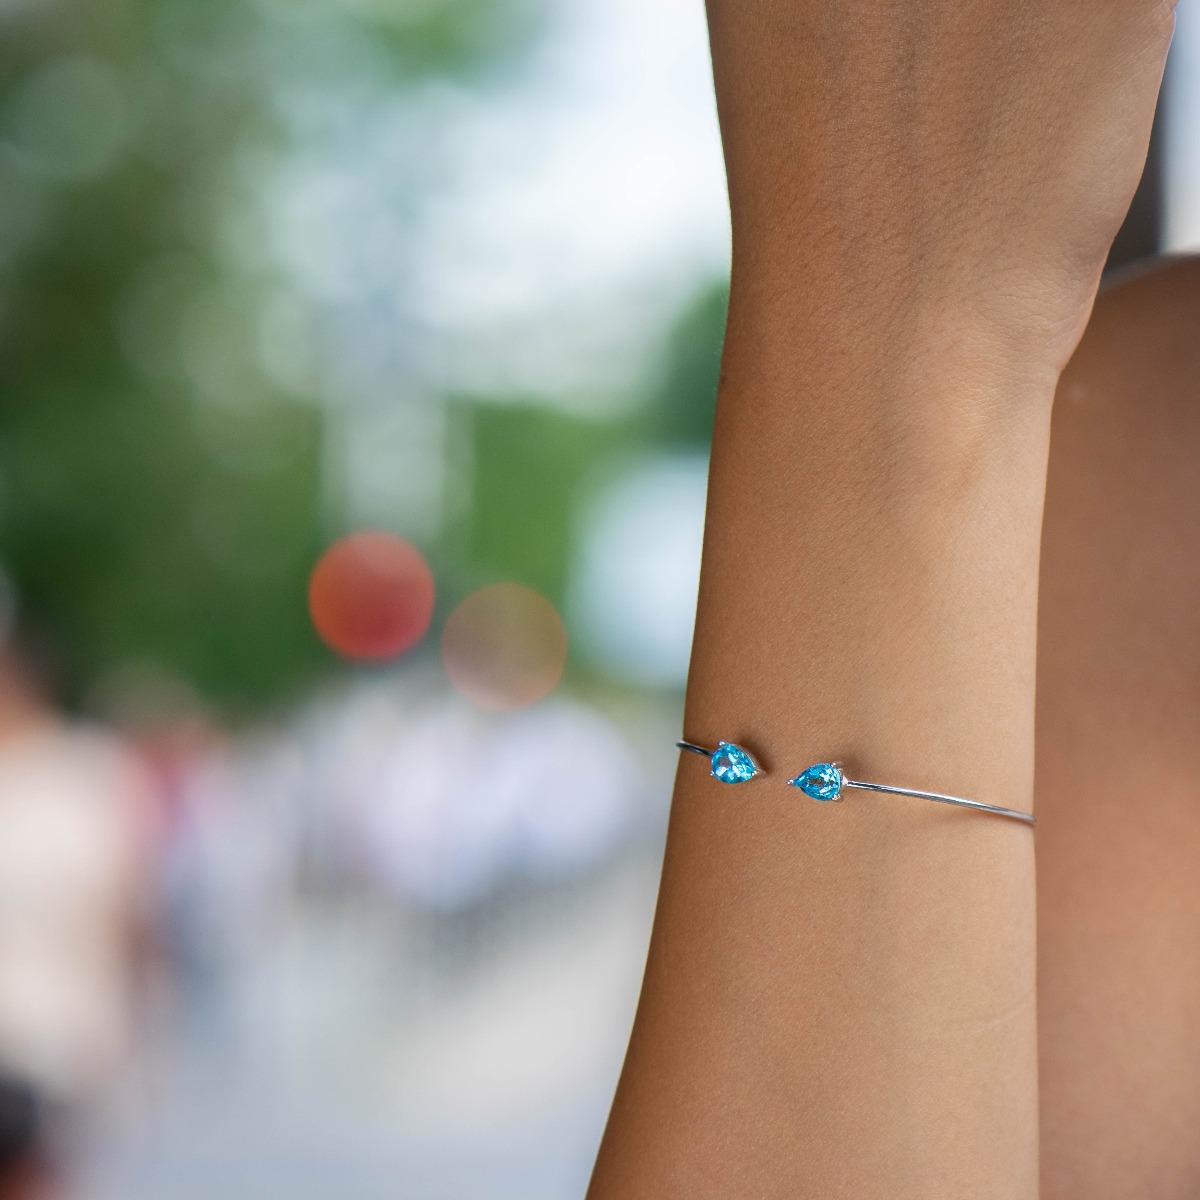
(532, 468)
(159, 489)
(528, 462)
(681, 410)
(450, 35)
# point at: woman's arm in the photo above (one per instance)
(839, 1000)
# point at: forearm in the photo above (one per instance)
(869, 581)
(840, 999)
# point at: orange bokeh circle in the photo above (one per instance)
(504, 646)
(371, 596)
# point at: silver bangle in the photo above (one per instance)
(730, 763)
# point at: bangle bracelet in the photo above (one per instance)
(827, 781)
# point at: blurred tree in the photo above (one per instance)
(160, 454)
(682, 407)
(533, 467)
(529, 462)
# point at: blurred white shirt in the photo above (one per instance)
(73, 828)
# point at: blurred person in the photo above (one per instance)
(74, 824)
(871, 999)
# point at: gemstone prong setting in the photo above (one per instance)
(730, 763)
(822, 781)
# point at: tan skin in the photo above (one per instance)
(1118, 762)
(842, 1000)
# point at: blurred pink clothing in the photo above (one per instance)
(73, 807)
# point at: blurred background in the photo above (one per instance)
(357, 370)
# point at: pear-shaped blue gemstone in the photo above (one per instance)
(731, 764)
(823, 781)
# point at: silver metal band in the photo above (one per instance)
(1016, 815)
(843, 782)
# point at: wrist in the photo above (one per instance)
(908, 384)
(935, 333)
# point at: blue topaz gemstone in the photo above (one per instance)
(731, 764)
(823, 781)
